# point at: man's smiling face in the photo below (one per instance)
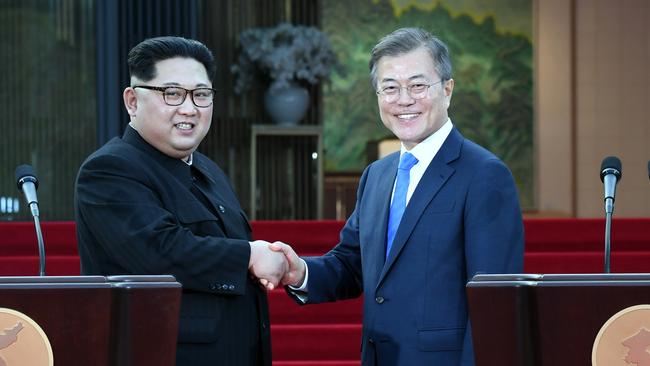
(413, 120)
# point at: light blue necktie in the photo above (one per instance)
(399, 197)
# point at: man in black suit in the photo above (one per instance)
(149, 203)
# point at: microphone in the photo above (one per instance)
(610, 174)
(27, 182)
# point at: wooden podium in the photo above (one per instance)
(550, 320)
(100, 321)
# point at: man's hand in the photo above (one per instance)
(267, 265)
(295, 275)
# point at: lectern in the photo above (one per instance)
(550, 320)
(95, 320)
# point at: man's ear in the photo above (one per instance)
(130, 101)
(449, 87)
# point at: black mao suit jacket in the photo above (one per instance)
(139, 211)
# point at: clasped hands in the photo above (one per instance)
(275, 264)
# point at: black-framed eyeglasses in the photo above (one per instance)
(175, 95)
(392, 93)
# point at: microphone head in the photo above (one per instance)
(611, 165)
(25, 173)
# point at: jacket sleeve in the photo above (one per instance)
(494, 233)
(123, 227)
(337, 274)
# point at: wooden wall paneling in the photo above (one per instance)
(229, 141)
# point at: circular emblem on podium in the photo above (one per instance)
(22, 341)
(624, 339)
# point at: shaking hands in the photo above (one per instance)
(275, 264)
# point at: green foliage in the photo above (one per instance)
(492, 102)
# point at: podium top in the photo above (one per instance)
(88, 281)
(141, 278)
(52, 279)
(584, 279)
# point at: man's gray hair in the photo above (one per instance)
(405, 40)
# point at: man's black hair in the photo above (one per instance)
(143, 57)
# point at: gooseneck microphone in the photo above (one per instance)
(610, 174)
(27, 183)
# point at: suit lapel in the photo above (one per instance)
(383, 179)
(437, 174)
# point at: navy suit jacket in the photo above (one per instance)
(463, 218)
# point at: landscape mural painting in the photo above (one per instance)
(492, 57)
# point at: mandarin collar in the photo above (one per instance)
(177, 167)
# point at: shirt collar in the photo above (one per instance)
(426, 150)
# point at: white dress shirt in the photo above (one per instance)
(425, 151)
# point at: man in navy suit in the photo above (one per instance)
(420, 232)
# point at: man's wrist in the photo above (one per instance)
(302, 286)
(253, 256)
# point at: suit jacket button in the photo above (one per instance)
(222, 209)
(379, 300)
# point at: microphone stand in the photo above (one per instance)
(610, 174)
(609, 209)
(39, 236)
(608, 233)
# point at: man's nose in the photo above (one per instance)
(187, 107)
(405, 96)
